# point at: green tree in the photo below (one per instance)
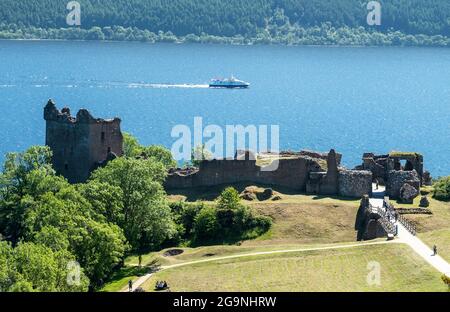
(18, 165)
(229, 199)
(206, 226)
(106, 200)
(99, 247)
(52, 237)
(147, 219)
(161, 154)
(442, 189)
(133, 149)
(24, 176)
(33, 267)
(131, 146)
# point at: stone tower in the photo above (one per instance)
(80, 144)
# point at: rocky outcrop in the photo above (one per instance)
(424, 202)
(408, 193)
(256, 193)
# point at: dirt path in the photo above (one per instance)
(141, 280)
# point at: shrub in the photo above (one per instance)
(184, 215)
(442, 189)
(264, 223)
(229, 199)
(206, 225)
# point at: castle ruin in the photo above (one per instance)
(80, 144)
(399, 172)
(303, 172)
(83, 143)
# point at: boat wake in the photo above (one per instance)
(167, 85)
(106, 85)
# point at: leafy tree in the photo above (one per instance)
(184, 215)
(52, 237)
(442, 189)
(18, 165)
(147, 219)
(161, 154)
(133, 149)
(206, 225)
(32, 267)
(24, 176)
(106, 200)
(99, 247)
(131, 146)
(229, 199)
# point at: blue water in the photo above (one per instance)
(353, 99)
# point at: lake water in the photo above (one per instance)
(355, 100)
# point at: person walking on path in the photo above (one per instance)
(435, 250)
(140, 261)
(130, 285)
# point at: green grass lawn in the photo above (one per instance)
(440, 238)
(329, 270)
(433, 229)
(302, 221)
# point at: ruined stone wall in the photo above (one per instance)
(396, 179)
(329, 183)
(413, 162)
(355, 183)
(323, 156)
(301, 174)
(377, 167)
(80, 144)
(291, 173)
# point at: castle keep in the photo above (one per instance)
(80, 144)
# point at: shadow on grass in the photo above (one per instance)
(211, 193)
(319, 197)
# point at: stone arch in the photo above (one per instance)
(372, 229)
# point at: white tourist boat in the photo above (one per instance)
(229, 83)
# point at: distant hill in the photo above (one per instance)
(246, 18)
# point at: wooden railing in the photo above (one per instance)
(407, 224)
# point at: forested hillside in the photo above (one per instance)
(249, 19)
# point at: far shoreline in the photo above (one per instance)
(225, 43)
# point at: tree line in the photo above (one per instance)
(55, 236)
(209, 20)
